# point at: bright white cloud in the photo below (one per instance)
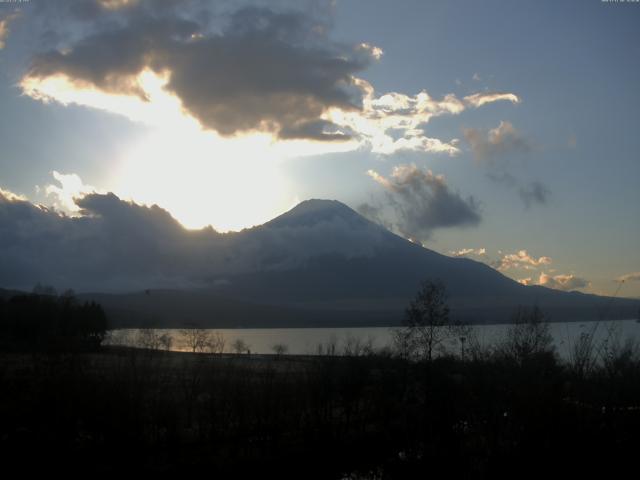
(479, 99)
(386, 124)
(465, 252)
(562, 282)
(395, 121)
(10, 196)
(565, 282)
(69, 188)
(521, 259)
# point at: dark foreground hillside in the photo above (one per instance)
(496, 415)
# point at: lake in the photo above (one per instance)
(311, 341)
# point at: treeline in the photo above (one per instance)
(426, 408)
(513, 410)
(50, 322)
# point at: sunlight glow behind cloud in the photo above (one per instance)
(226, 105)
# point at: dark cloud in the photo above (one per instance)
(118, 245)
(531, 194)
(503, 178)
(497, 142)
(254, 69)
(418, 202)
(492, 147)
(534, 193)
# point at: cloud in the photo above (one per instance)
(520, 259)
(420, 202)
(479, 99)
(558, 282)
(117, 245)
(70, 187)
(112, 245)
(7, 196)
(235, 72)
(497, 143)
(503, 178)
(629, 277)
(375, 213)
(562, 282)
(466, 252)
(535, 193)
(265, 71)
(394, 121)
(502, 140)
(116, 4)
(5, 20)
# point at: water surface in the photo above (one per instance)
(311, 341)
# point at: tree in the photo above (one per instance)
(529, 336)
(148, 338)
(427, 324)
(166, 341)
(197, 339)
(216, 343)
(280, 349)
(240, 346)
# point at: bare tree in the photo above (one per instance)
(352, 346)
(427, 323)
(617, 356)
(216, 343)
(583, 357)
(166, 341)
(148, 338)
(239, 346)
(528, 336)
(280, 349)
(328, 348)
(197, 339)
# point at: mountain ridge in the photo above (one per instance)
(320, 263)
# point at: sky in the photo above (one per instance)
(501, 131)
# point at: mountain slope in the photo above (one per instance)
(323, 264)
(320, 263)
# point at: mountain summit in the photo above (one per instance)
(320, 263)
(315, 211)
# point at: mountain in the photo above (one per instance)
(323, 264)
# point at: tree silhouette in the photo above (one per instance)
(197, 339)
(528, 336)
(49, 322)
(239, 346)
(427, 322)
